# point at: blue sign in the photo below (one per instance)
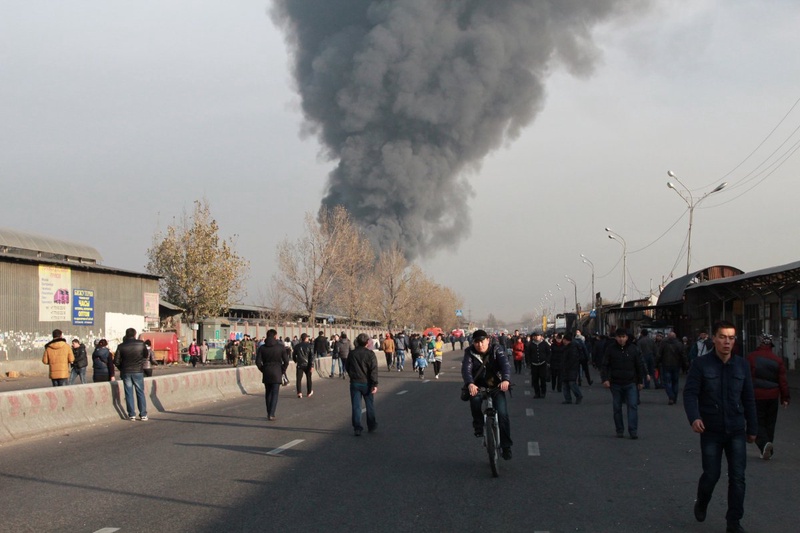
(330, 319)
(82, 307)
(459, 312)
(593, 314)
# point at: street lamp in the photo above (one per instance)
(574, 286)
(591, 265)
(617, 237)
(565, 297)
(691, 203)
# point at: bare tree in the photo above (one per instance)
(395, 279)
(309, 266)
(355, 286)
(200, 272)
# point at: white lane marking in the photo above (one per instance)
(533, 449)
(402, 392)
(527, 393)
(107, 530)
(425, 380)
(529, 411)
(278, 451)
(527, 382)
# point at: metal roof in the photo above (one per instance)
(773, 280)
(19, 242)
(673, 292)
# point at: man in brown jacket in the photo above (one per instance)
(58, 354)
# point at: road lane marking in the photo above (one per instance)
(402, 392)
(278, 451)
(527, 393)
(529, 411)
(107, 530)
(425, 380)
(527, 382)
(533, 449)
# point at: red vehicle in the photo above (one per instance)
(433, 331)
(165, 345)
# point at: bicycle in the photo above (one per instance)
(491, 428)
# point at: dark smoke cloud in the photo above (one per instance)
(410, 95)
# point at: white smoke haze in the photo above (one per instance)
(410, 95)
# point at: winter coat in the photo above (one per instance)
(537, 354)
(721, 395)
(571, 362)
(497, 366)
(272, 360)
(622, 365)
(388, 345)
(769, 375)
(303, 355)
(362, 367)
(131, 355)
(81, 358)
(102, 362)
(58, 355)
(670, 354)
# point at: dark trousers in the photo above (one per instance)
(555, 378)
(388, 360)
(501, 406)
(299, 373)
(572, 387)
(539, 380)
(437, 367)
(735, 447)
(585, 368)
(518, 366)
(357, 392)
(271, 396)
(767, 416)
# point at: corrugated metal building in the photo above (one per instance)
(47, 283)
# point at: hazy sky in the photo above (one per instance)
(115, 116)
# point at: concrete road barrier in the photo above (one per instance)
(32, 412)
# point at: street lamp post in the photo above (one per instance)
(574, 286)
(687, 197)
(617, 237)
(594, 295)
(565, 297)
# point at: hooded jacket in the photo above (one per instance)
(272, 360)
(58, 354)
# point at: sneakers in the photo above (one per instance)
(768, 451)
(507, 453)
(270, 418)
(132, 418)
(299, 394)
(310, 394)
(437, 376)
(479, 432)
(357, 432)
(143, 417)
(700, 510)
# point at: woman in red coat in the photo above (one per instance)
(518, 350)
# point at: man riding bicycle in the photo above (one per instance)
(485, 364)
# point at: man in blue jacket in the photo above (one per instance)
(720, 404)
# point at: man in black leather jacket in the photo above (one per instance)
(130, 357)
(485, 364)
(303, 357)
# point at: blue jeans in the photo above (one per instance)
(735, 447)
(629, 394)
(670, 378)
(77, 373)
(61, 382)
(271, 393)
(131, 381)
(572, 387)
(358, 391)
(334, 363)
(400, 359)
(501, 406)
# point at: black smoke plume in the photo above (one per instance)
(410, 95)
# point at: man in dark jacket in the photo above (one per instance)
(556, 356)
(622, 371)
(537, 358)
(320, 350)
(485, 364)
(362, 367)
(720, 405)
(130, 357)
(80, 363)
(669, 362)
(344, 347)
(770, 387)
(400, 346)
(303, 357)
(272, 360)
(570, 368)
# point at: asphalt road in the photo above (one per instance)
(223, 467)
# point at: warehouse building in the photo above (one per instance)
(48, 284)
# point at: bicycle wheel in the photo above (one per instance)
(491, 446)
